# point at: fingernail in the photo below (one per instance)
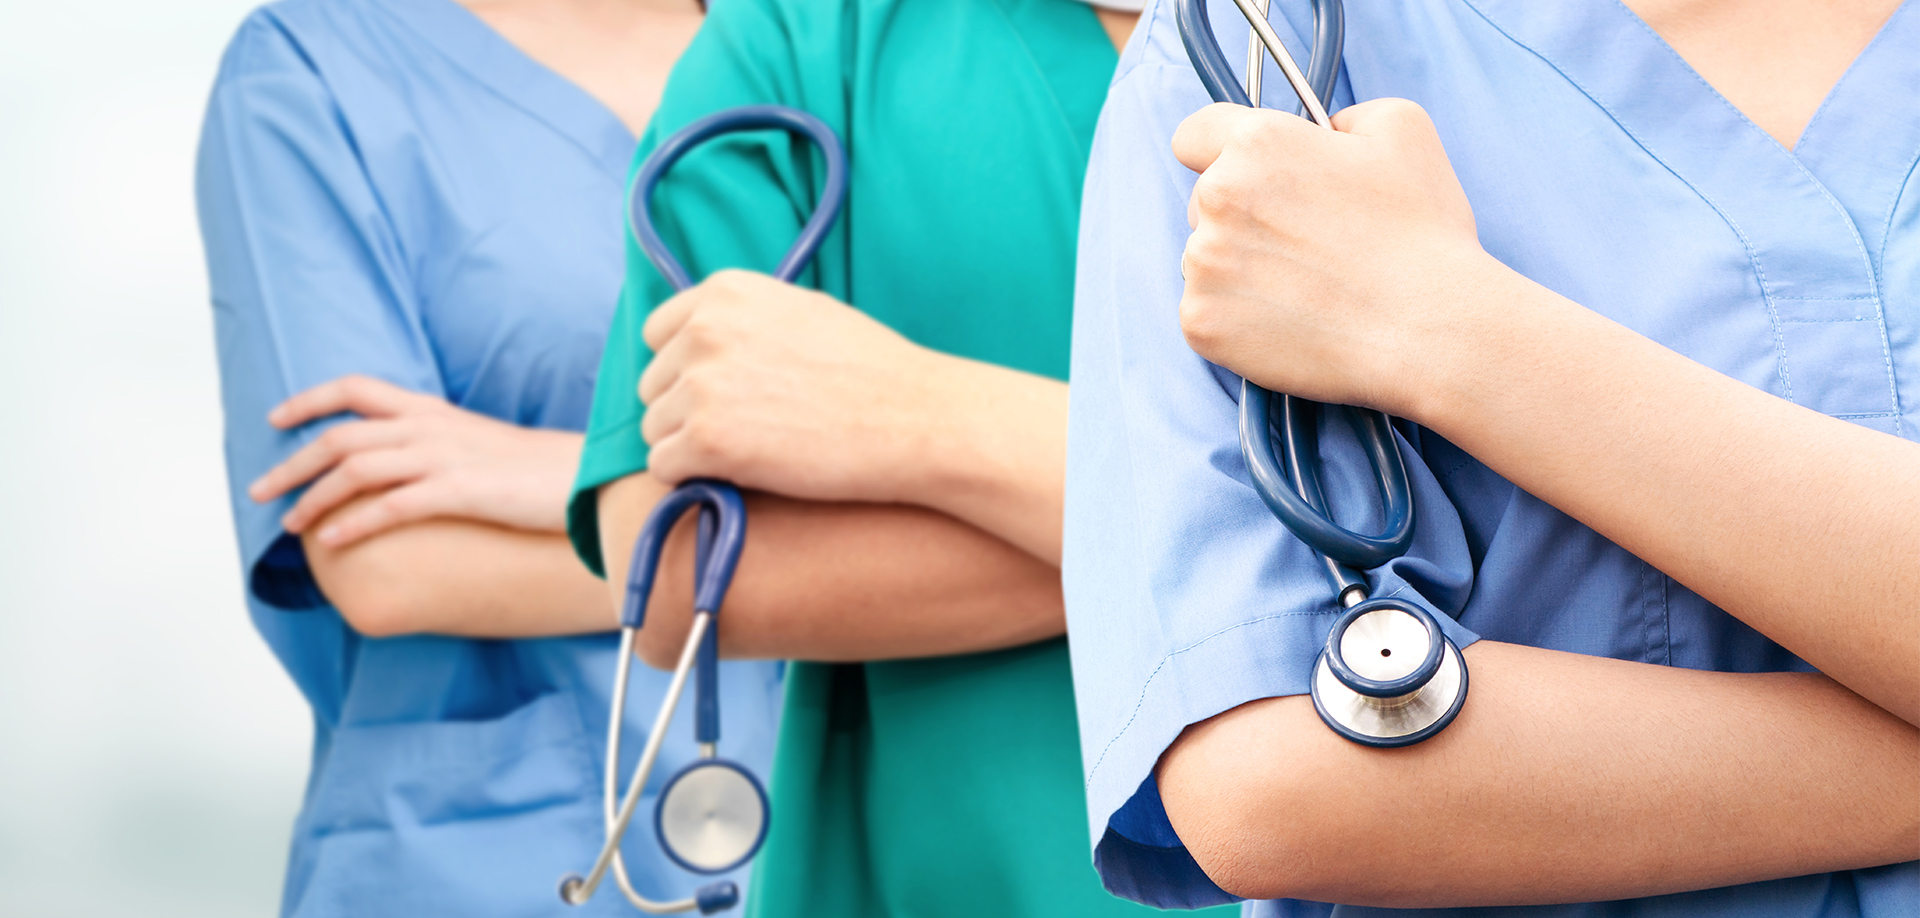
(329, 535)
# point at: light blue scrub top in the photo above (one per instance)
(391, 188)
(1598, 164)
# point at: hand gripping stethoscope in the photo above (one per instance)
(712, 815)
(1388, 676)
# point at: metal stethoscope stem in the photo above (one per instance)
(577, 890)
(712, 815)
(1388, 676)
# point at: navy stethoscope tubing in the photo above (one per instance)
(712, 815)
(1359, 688)
(735, 120)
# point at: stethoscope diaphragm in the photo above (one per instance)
(712, 816)
(1388, 676)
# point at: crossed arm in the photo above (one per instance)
(1566, 778)
(903, 502)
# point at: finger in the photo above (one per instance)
(668, 317)
(357, 474)
(667, 413)
(679, 457)
(1395, 118)
(1212, 131)
(666, 367)
(326, 450)
(362, 395)
(1200, 139)
(726, 289)
(398, 506)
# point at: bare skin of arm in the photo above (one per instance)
(420, 517)
(840, 582)
(1567, 778)
(460, 577)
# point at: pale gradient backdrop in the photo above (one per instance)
(151, 750)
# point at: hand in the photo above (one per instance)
(1327, 264)
(789, 391)
(424, 456)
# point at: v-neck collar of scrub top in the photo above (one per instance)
(1817, 262)
(496, 63)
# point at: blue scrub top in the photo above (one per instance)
(1598, 164)
(390, 188)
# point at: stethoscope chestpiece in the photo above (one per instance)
(712, 816)
(1388, 675)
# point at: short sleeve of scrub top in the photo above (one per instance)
(938, 787)
(391, 189)
(1599, 165)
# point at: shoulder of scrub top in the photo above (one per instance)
(308, 279)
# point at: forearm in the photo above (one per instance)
(998, 459)
(1566, 778)
(826, 581)
(459, 577)
(1802, 525)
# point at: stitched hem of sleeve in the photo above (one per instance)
(609, 454)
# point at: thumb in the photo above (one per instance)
(1391, 118)
(1199, 139)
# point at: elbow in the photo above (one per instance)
(376, 616)
(1253, 848)
(1259, 800)
(372, 591)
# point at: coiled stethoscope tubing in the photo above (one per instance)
(712, 815)
(1359, 688)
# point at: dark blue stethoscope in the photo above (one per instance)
(1388, 675)
(712, 815)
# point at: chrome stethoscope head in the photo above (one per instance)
(712, 815)
(1388, 675)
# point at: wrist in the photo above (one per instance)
(1445, 365)
(943, 428)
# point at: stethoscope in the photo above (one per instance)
(1388, 675)
(712, 815)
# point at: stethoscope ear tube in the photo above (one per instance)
(720, 503)
(744, 118)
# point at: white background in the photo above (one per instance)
(152, 753)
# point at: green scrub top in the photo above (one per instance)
(930, 787)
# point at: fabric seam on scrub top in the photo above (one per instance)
(1144, 686)
(1053, 95)
(485, 82)
(1833, 92)
(1753, 258)
(1807, 133)
(1125, 67)
(1886, 235)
